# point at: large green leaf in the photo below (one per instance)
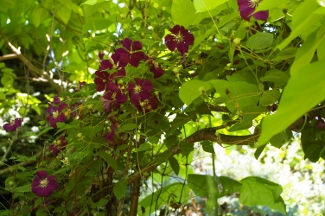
(305, 89)
(120, 189)
(206, 5)
(269, 4)
(183, 13)
(193, 89)
(260, 40)
(258, 191)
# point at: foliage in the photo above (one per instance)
(106, 97)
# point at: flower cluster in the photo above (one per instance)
(43, 185)
(247, 8)
(55, 111)
(13, 125)
(117, 91)
(180, 39)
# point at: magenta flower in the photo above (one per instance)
(114, 63)
(13, 125)
(55, 110)
(131, 52)
(140, 90)
(105, 80)
(56, 105)
(148, 105)
(58, 145)
(156, 69)
(180, 39)
(113, 99)
(247, 8)
(43, 185)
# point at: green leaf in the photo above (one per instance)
(278, 140)
(269, 4)
(269, 97)
(242, 94)
(229, 186)
(183, 13)
(38, 15)
(258, 191)
(64, 13)
(120, 189)
(304, 90)
(193, 89)
(306, 22)
(321, 50)
(144, 147)
(174, 164)
(278, 77)
(260, 40)
(109, 159)
(89, 2)
(259, 151)
(200, 184)
(306, 52)
(207, 5)
(128, 127)
(207, 146)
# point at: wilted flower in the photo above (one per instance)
(43, 185)
(58, 145)
(140, 90)
(181, 39)
(114, 126)
(130, 53)
(13, 125)
(247, 7)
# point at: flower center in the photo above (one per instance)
(253, 3)
(43, 183)
(55, 114)
(137, 89)
(179, 37)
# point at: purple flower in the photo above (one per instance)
(114, 63)
(43, 185)
(56, 106)
(105, 80)
(114, 126)
(148, 105)
(113, 99)
(156, 69)
(140, 90)
(180, 39)
(130, 53)
(13, 125)
(55, 117)
(247, 7)
(78, 88)
(58, 145)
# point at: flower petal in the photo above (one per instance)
(261, 15)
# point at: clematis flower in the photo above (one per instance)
(114, 63)
(113, 99)
(140, 90)
(13, 125)
(43, 185)
(55, 110)
(105, 80)
(131, 52)
(148, 105)
(114, 126)
(247, 8)
(156, 69)
(180, 39)
(58, 145)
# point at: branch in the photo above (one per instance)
(40, 72)
(204, 134)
